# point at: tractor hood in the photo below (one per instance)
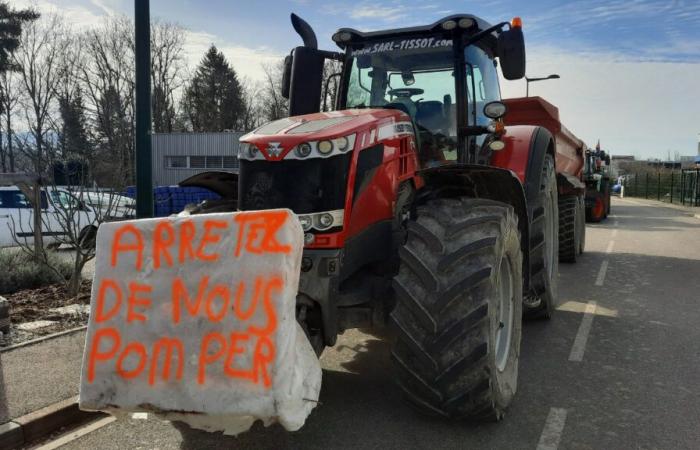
(276, 140)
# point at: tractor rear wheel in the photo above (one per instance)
(568, 228)
(544, 246)
(597, 212)
(459, 307)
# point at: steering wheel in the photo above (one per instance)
(405, 92)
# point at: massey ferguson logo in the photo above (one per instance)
(274, 149)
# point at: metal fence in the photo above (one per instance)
(681, 186)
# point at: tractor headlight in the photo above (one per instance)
(449, 25)
(325, 147)
(303, 150)
(325, 221)
(252, 150)
(306, 222)
(341, 143)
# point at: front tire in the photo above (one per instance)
(459, 307)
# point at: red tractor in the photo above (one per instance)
(418, 203)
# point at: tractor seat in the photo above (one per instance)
(430, 115)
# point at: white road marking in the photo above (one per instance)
(80, 432)
(601, 273)
(611, 244)
(139, 415)
(579, 347)
(553, 428)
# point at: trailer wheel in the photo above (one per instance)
(581, 223)
(569, 229)
(544, 247)
(459, 307)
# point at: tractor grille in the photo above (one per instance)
(304, 186)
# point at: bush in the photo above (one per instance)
(18, 271)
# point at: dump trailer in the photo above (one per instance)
(569, 166)
(419, 205)
(598, 184)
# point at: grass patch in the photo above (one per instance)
(19, 271)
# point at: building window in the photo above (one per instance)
(230, 162)
(201, 162)
(176, 162)
(197, 162)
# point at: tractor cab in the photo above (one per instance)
(441, 76)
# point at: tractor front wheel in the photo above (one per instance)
(459, 307)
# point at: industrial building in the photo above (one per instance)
(177, 156)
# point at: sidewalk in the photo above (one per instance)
(691, 210)
(37, 376)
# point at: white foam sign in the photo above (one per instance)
(193, 318)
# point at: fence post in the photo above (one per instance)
(658, 186)
(646, 186)
(682, 188)
(636, 183)
(671, 187)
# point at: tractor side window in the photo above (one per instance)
(482, 83)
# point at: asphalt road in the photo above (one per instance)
(617, 367)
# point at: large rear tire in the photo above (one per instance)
(459, 307)
(544, 246)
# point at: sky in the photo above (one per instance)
(630, 69)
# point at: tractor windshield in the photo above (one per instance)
(415, 76)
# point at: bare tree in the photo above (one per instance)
(273, 105)
(252, 116)
(9, 98)
(72, 215)
(40, 62)
(108, 80)
(167, 69)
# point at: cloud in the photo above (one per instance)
(634, 107)
(78, 16)
(248, 62)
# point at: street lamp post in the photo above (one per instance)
(554, 76)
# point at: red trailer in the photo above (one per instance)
(570, 164)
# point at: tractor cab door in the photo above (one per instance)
(482, 88)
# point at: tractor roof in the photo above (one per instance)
(362, 36)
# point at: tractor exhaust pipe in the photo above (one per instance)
(305, 31)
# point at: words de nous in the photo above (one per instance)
(178, 243)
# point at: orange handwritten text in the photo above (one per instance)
(262, 226)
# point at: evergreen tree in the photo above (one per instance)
(10, 30)
(213, 100)
(73, 139)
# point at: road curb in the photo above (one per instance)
(41, 423)
(41, 339)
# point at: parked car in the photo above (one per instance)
(17, 217)
(109, 205)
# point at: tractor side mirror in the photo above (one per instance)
(286, 76)
(511, 52)
(305, 81)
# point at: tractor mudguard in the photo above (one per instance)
(524, 154)
(479, 181)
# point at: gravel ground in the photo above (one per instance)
(33, 305)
